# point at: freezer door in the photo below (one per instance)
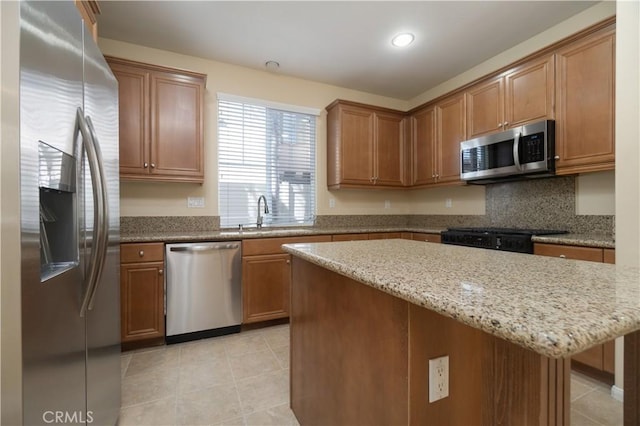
(103, 316)
(53, 333)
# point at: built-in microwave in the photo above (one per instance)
(521, 152)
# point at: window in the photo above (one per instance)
(265, 149)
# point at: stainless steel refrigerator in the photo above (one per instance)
(69, 219)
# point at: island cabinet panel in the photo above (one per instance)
(585, 104)
(266, 277)
(142, 293)
(365, 146)
(161, 115)
(360, 356)
(348, 351)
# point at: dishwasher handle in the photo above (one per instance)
(201, 248)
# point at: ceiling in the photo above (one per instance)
(344, 43)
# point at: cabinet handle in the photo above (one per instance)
(141, 253)
(146, 164)
(505, 124)
(557, 157)
(288, 262)
(160, 271)
(153, 165)
(562, 256)
(371, 179)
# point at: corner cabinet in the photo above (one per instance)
(365, 146)
(161, 113)
(585, 104)
(142, 293)
(436, 133)
(520, 95)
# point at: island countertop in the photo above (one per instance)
(555, 307)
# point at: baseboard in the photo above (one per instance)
(617, 393)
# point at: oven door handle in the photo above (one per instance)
(516, 151)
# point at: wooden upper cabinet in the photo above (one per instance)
(519, 96)
(389, 149)
(436, 133)
(529, 92)
(585, 104)
(423, 146)
(365, 146)
(450, 125)
(161, 122)
(485, 108)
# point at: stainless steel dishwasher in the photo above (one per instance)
(204, 298)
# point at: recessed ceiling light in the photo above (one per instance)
(402, 40)
(272, 66)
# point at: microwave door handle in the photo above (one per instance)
(103, 240)
(87, 144)
(516, 151)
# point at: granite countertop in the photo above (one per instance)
(596, 240)
(586, 240)
(230, 234)
(555, 307)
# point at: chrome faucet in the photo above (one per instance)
(266, 210)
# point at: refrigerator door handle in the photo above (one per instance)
(104, 236)
(92, 275)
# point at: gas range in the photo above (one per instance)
(506, 239)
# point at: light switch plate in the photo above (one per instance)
(195, 202)
(438, 378)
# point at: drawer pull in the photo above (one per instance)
(288, 262)
(562, 256)
(141, 253)
(160, 271)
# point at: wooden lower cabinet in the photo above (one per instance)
(430, 238)
(266, 277)
(350, 237)
(600, 357)
(265, 292)
(142, 292)
(385, 235)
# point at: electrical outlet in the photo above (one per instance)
(438, 378)
(387, 204)
(332, 203)
(448, 203)
(195, 202)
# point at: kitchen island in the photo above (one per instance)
(367, 316)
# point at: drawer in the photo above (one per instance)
(141, 252)
(273, 245)
(609, 256)
(350, 237)
(569, 252)
(430, 238)
(385, 235)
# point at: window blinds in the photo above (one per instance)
(265, 151)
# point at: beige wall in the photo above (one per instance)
(627, 147)
(140, 199)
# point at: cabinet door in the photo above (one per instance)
(529, 92)
(451, 126)
(266, 281)
(592, 357)
(389, 149)
(356, 145)
(133, 105)
(485, 109)
(585, 78)
(177, 127)
(142, 300)
(385, 235)
(350, 237)
(423, 142)
(592, 254)
(430, 238)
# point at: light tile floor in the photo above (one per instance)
(240, 379)
(243, 379)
